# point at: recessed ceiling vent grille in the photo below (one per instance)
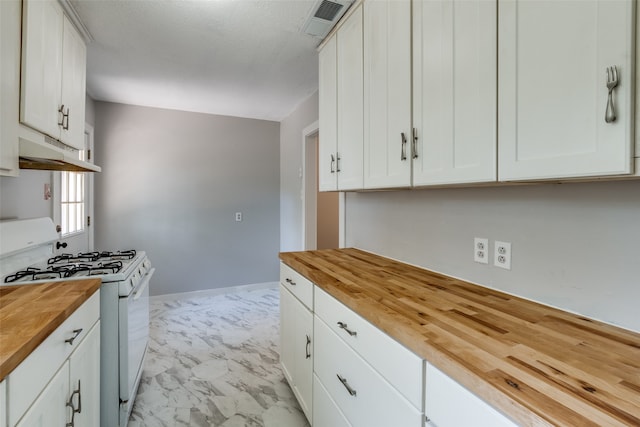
(324, 16)
(328, 10)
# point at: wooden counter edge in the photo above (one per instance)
(13, 360)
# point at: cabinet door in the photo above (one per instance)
(328, 116)
(85, 377)
(287, 333)
(74, 70)
(50, 408)
(454, 93)
(326, 413)
(9, 85)
(41, 66)
(552, 88)
(387, 93)
(296, 348)
(350, 102)
(444, 398)
(304, 356)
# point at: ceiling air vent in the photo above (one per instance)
(324, 16)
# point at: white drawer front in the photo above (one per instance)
(32, 375)
(444, 397)
(372, 401)
(297, 284)
(398, 365)
(326, 413)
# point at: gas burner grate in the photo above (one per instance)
(34, 274)
(69, 258)
(129, 254)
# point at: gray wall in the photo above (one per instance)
(290, 180)
(574, 246)
(170, 185)
(23, 196)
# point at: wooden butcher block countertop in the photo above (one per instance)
(30, 313)
(540, 366)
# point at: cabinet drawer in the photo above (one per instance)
(326, 413)
(398, 365)
(297, 284)
(32, 375)
(444, 397)
(364, 397)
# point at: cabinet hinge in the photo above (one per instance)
(88, 221)
(88, 154)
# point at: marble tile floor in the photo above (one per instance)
(213, 361)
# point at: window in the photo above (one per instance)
(72, 202)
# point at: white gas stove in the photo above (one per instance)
(27, 257)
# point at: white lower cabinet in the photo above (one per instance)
(3, 403)
(362, 394)
(296, 323)
(50, 408)
(444, 399)
(326, 413)
(58, 384)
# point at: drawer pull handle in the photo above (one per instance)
(346, 385)
(75, 410)
(76, 333)
(342, 325)
(307, 349)
(289, 281)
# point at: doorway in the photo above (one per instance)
(321, 226)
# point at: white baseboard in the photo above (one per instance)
(216, 291)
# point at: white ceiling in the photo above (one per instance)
(244, 58)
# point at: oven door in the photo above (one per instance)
(133, 336)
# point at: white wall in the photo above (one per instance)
(291, 140)
(171, 182)
(574, 246)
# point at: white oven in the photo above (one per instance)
(133, 324)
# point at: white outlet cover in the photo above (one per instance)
(502, 255)
(481, 250)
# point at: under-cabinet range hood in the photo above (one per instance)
(324, 16)
(41, 152)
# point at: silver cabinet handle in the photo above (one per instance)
(346, 385)
(403, 149)
(612, 82)
(333, 160)
(76, 333)
(307, 348)
(61, 111)
(415, 143)
(75, 410)
(343, 325)
(289, 281)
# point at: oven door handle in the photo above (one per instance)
(144, 284)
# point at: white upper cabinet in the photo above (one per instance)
(74, 71)
(9, 85)
(350, 103)
(454, 91)
(53, 73)
(553, 95)
(387, 93)
(341, 107)
(328, 116)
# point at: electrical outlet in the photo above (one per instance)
(502, 255)
(238, 216)
(481, 250)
